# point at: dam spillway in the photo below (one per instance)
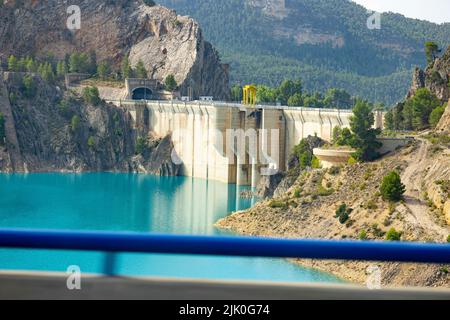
(234, 143)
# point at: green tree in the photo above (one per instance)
(74, 63)
(92, 62)
(103, 70)
(417, 110)
(170, 83)
(344, 137)
(265, 94)
(127, 71)
(13, 64)
(288, 88)
(46, 72)
(343, 213)
(365, 136)
(338, 99)
(141, 72)
(31, 65)
(436, 116)
(295, 100)
(91, 95)
(393, 235)
(392, 188)
(74, 123)
(61, 69)
(431, 51)
(141, 145)
(28, 86)
(91, 142)
(236, 93)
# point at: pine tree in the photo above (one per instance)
(126, 68)
(171, 83)
(141, 72)
(13, 64)
(392, 188)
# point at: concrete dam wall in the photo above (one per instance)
(233, 143)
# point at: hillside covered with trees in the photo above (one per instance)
(325, 42)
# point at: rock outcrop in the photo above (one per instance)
(58, 131)
(436, 78)
(165, 42)
(444, 124)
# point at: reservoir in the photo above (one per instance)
(136, 203)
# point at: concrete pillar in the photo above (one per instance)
(241, 176)
(256, 175)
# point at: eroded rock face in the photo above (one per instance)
(444, 124)
(165, 42)
(436, 78)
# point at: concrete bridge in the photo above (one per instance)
(234, 143)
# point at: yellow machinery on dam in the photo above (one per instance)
(249, 95)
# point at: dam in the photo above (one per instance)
(233, 143)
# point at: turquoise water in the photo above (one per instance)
(131, 202)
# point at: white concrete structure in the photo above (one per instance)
(207, 135)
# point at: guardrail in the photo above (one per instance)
(116, 242)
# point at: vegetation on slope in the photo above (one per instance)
(343, 52)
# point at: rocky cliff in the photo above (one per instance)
(444, 124)
(436, 77)
(165, 42)
(52, 130)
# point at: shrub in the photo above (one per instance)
(91, 142)
(315, 163)
(352, 161)
(74, 123)
(141, 72)
(323, 192)
(436, 116)
(393, 235)
(141, 145)
(28, 86)
(171, 83)
(297, 193)
(343, 213)
(103, 70)
(362, 235)
(448, 238)
(392, 188)
(278, 204)
(334, 171)
(91, 95)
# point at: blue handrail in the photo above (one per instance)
(226, 246)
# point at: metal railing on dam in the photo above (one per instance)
(222, 104)
(113, 243)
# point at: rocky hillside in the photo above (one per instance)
(436, 77)
(308, 210)
(444, 124)
(165, 42)
(51, 130)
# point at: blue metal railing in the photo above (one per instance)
(115, 242)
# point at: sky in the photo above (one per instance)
(437, 11)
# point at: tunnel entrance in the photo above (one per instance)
(142, 94)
